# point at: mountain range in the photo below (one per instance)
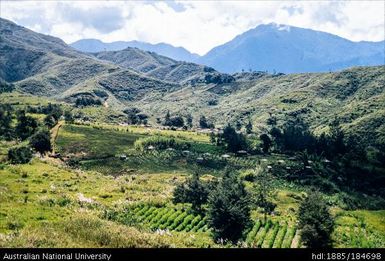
(43, 65)
(176, 53)
(271, 47)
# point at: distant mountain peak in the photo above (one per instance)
(283, 48)
(165, 49)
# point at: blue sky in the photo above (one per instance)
(196, 25)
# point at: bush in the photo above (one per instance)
(41, 141)
(20, 155)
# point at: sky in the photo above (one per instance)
(197, 26)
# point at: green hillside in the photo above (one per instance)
(133, 149)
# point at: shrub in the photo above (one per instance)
(41, 141)
(20, 155)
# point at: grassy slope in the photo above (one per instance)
(355, 95)
(45, 197)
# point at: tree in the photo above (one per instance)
(26, 125)
(5, 121)
(315, 222)
(54, 110)
(266, 143)
(6, 87)
(249, 127)
(203, 122)
(167, 119)
(189, 120)
(296, 136)
(20, 155)
(276, 135)
(264, 191)
(232, 140)
(193, 191)
(337, 144)
(87, 101)
(41, 142)
(50, 121)
(213, 138)
(68, 117)
(177, 121)
(229, 208)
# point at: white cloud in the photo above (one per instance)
(196, 25)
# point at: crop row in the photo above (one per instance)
(170, 218)
(270, 235)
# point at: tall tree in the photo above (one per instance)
(266, 143)
(26, 125)
(167, 119)
(5, 121)
(193, 191)
(189, 120)
(68, 117)
(249, 127)
(315, 222)
(229, 208)
(203, 122)
(232, 140)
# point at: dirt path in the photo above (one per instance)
(54, 134)
(295, 242)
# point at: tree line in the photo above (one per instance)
(32, 135)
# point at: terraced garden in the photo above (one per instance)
(263, 234)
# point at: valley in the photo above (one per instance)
(129, 148)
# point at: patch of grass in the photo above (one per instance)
(93, 142)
